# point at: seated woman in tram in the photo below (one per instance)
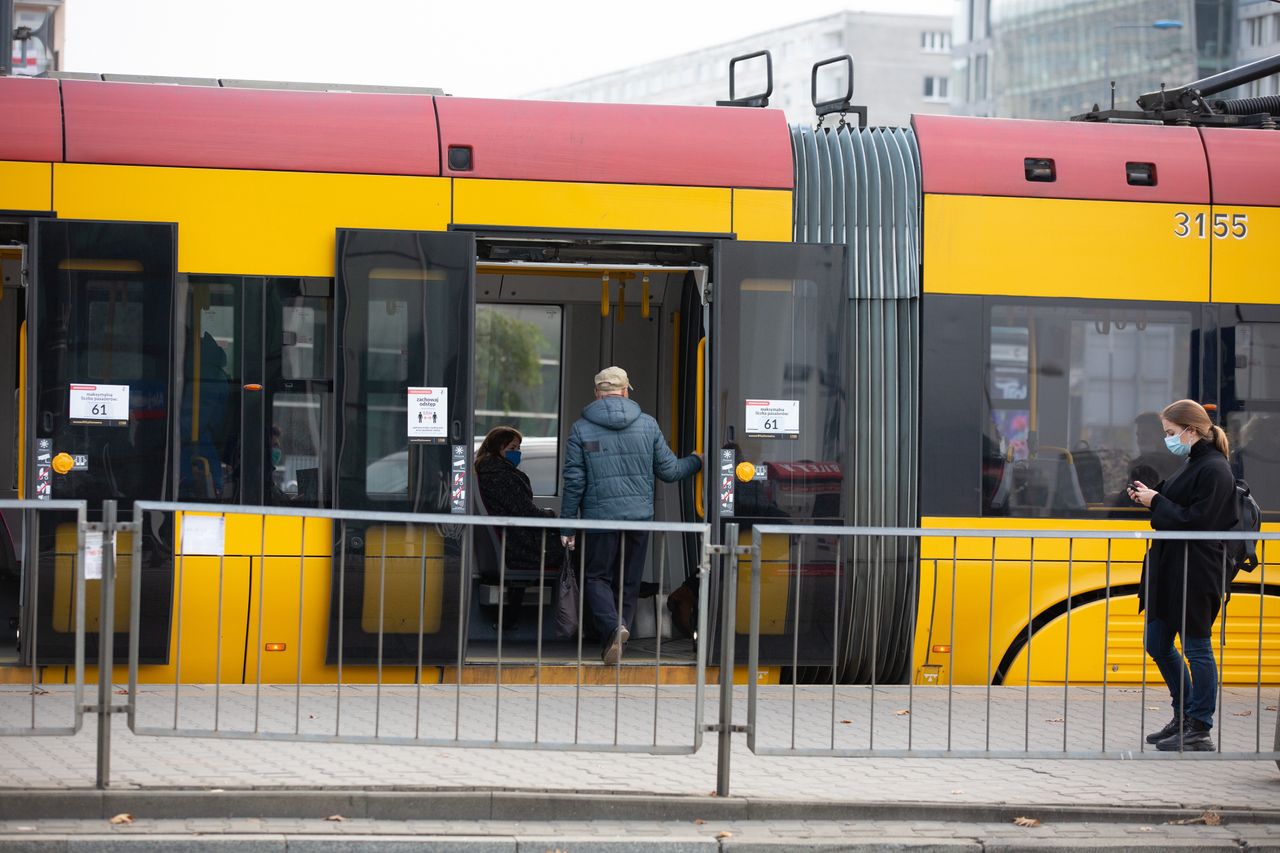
(505, 490)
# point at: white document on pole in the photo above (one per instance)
(772, 419)
(105, 405)
(428, 414)
(203, 535)
(93, 555)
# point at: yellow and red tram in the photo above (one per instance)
(267, 271)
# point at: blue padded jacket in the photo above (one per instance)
(615, 450)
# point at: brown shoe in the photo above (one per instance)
(613, 649)
(681, 604)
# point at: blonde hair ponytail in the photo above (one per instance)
(1220, 441)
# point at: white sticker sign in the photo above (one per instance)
(93, 555)
(773, 419)
(428, 414)
(203, 535)
(99, 405)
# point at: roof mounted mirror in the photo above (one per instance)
(758, 100)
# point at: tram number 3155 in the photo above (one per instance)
(1223, 225)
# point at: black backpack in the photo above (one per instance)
(1243, 553)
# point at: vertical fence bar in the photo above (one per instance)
(77, 572)
(217, 630)
(1106, 644)
(32, 528)
(135, 607)
(1146, 627)
(1262, 606)
(497, 670)
(1066, 681)
(342, 605)
(1222, 648)
(422, 614)
(1184, 661)
(835, 640)
(795, 632)
(537, 661)
(468, 553)
(262, 584)
(178, 608)
(877, 577)
(106, 641)
(728, 610)
(753, 637)
(302, 581)
(582, 596)
(658, 606)
(1031, 591)
(991, 615)
(617, 665)
(382, 610)
(703, 635)
(951, 640)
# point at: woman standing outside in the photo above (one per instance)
(1182, 581)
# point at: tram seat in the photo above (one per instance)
(488, 555)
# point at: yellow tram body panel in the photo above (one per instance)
(1037, 577)
(26, 186)
(1053, 248)
(1238, 262)
(613, 207)
(251, 222)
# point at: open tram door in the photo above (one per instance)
(778, 444)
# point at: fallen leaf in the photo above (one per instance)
(1055, 720)
(25, 828)
(123, 691)
(699, 821)
(1243, 713)
(39, 691)
(216, 790)
(724, 833)
(1026, 821)
(958, 791)
(123, 817)
(311, 716)
(846, 722)
(1153, 707)
(1209, 818)
(1271, 707)
(335, 817)
(902, 713)
(1144, 829)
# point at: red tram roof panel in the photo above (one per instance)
(32, 128)
(1244, 165)
(147, 124)
(983, 156)
(619, 143)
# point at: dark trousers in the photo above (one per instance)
(1192, 681)
(604, 552)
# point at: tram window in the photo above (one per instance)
(297, 446)
(209, 422)
(1251, 402)
(115, 321)
(518, 383)
(1072, 399)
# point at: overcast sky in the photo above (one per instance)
(481, 48)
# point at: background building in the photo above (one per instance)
(40, 46)
(1053, 58)
(1259, 38)
(902, 66)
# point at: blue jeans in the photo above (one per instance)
(604, 551)
(1199, 682)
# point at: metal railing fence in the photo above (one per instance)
(398, 588)
(50, 709)
(990, 578)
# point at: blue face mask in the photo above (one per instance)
(513, 456)
(1175, 445)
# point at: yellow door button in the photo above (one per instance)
(62, 463)
(746, 472)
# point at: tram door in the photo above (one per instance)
(98, 414)
(404, 321)
(779, 446)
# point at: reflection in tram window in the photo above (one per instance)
(1251, 402)
(518, 383)
(1072, 401)
(296, 428)
(210, 414)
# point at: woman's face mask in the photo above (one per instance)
(513, 456)
(1175, 445)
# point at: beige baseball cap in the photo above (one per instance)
(612, 379)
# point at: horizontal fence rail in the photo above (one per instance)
(33, 705)
(971, 586)
(396, 663)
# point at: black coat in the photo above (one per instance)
(1198, 496)
(505, 490)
